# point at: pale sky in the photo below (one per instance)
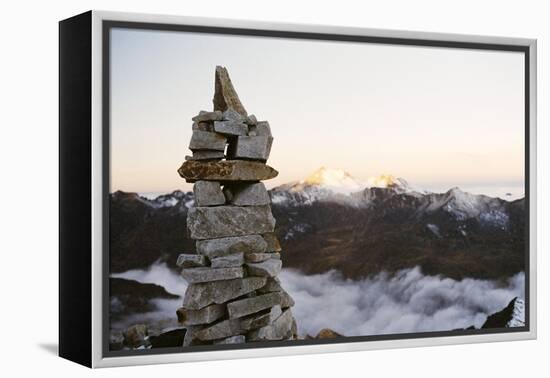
(438, 117)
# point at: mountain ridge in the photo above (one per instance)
(387, 227)
(336, 184)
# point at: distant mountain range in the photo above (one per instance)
(330, 220)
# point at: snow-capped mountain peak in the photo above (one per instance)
(337, 185)
(325, 184)
(463, 205)
(398, 184)
(385, 181)
(337, 180)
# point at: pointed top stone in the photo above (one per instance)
(225, 96)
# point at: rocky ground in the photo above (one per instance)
(142, 336)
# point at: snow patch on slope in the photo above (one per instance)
(518, 315)
(434, 229)
(184, 199)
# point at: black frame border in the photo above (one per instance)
(75, 189)
(108, 25)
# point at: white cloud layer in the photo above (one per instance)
(158, 274)
(408, 301)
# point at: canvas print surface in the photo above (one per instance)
(275, 190)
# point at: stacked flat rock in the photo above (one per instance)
(234, 295)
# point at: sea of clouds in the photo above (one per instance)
(407, 301)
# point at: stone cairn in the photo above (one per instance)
(234, 295)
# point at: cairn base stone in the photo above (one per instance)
(249, 306)
(190, 337)
(279, 330)
(261, 319)
(223, 329)
(205, 315)
(201, 295)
